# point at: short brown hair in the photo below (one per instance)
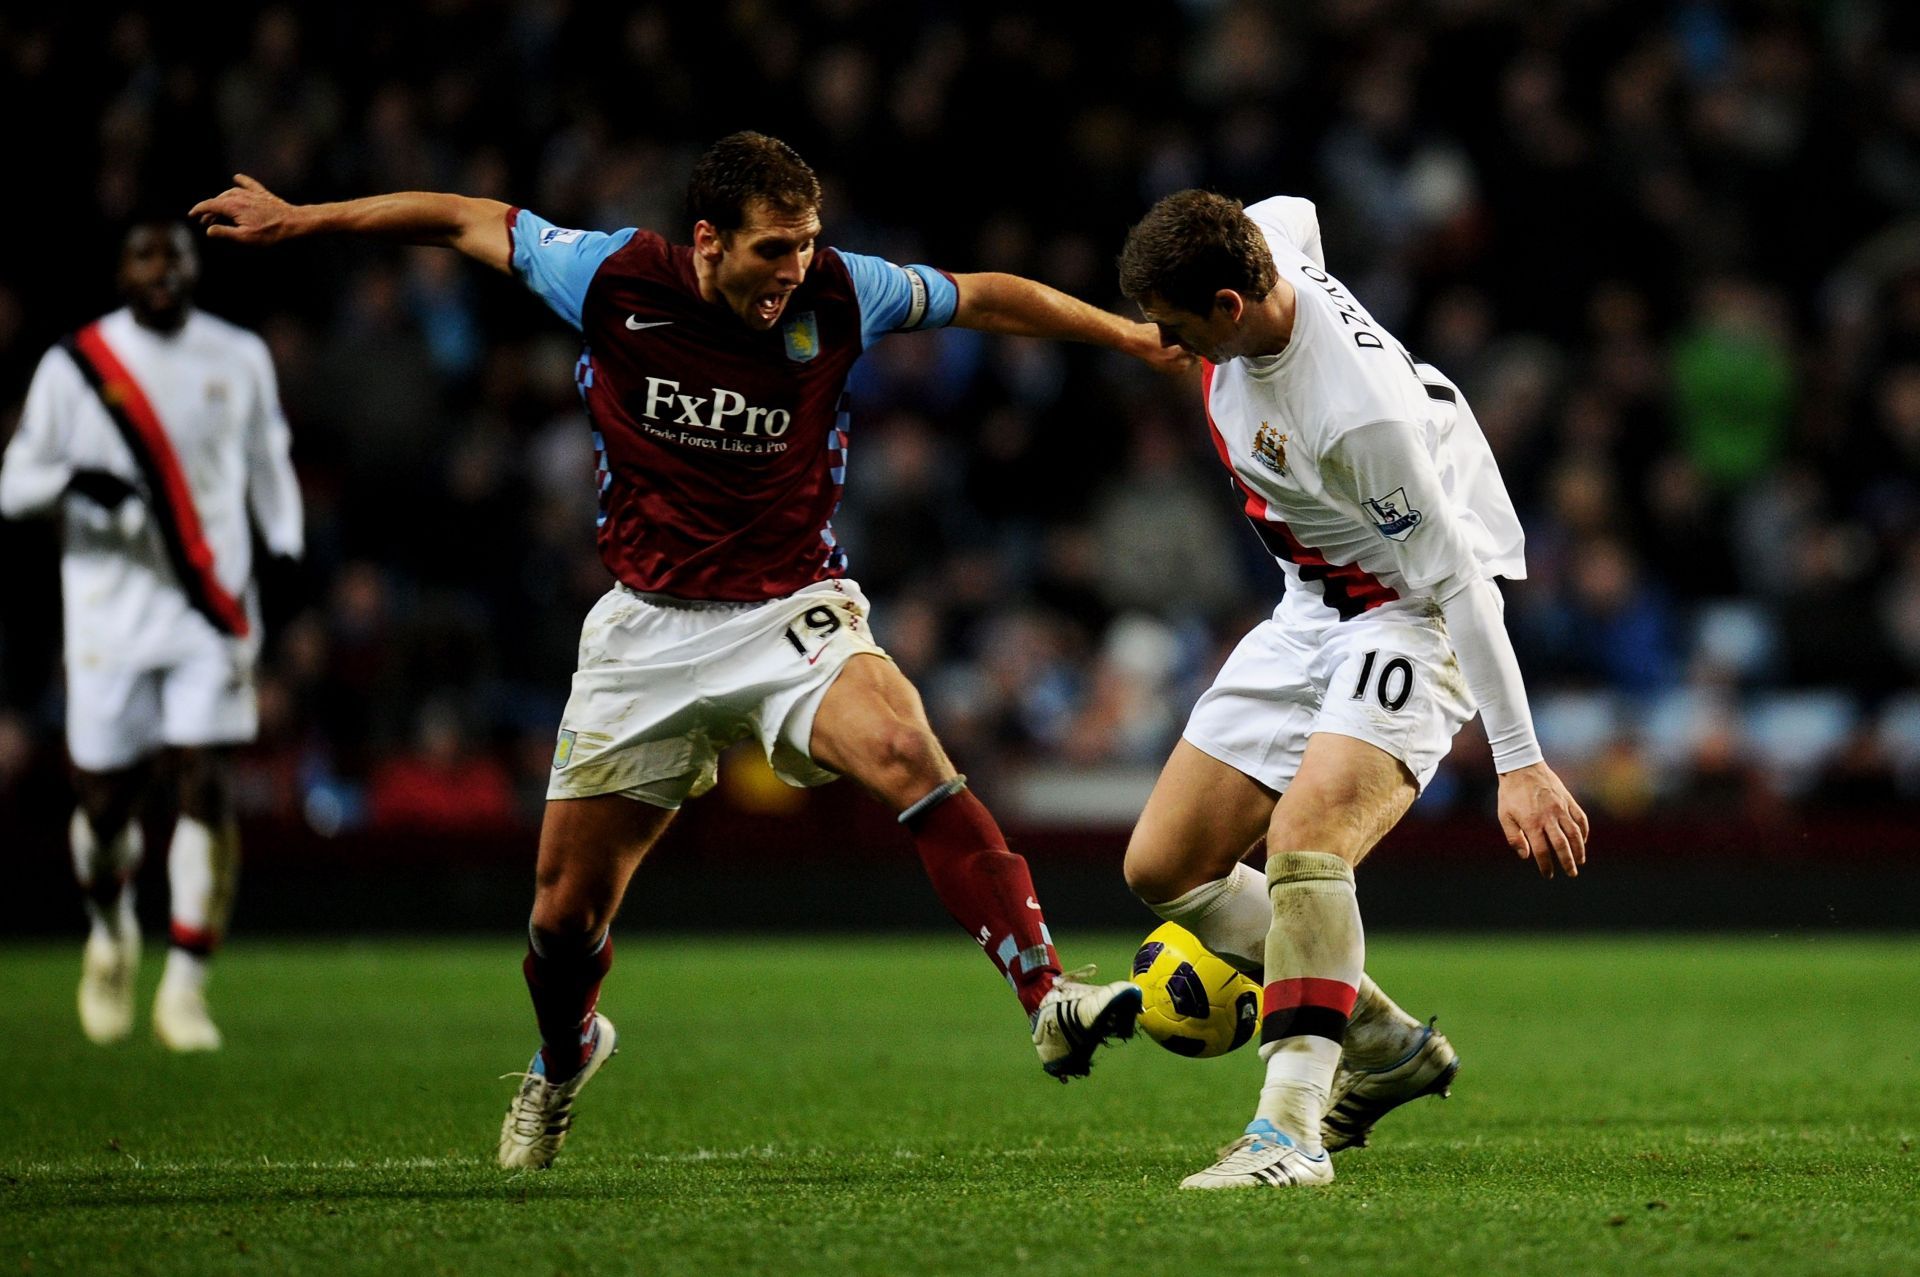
(743, 167)
(1191, 245)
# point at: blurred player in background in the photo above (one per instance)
(153, 432)
(715, 378)
(1367, 477)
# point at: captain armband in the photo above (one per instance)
(917, 298)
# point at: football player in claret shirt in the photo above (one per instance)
(1365, 474)
(155, 433)
(715, 375)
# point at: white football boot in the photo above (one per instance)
(541, 1112)
(1077, 1017)
(1361, 1097)
(108, 967)
(1265, 1157)
(180, 1018)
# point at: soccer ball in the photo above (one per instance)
(1195, 1004)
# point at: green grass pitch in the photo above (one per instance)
(852, 1106)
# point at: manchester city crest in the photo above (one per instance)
(1270, 448)
(802, 334)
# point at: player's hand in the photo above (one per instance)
(104, 489)
(1144, 344)
(1541, 820)
(247, 213)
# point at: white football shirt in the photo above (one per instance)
(211, 387)
(1355, 463)
(1370, 481)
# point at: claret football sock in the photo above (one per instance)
(985, 887)
(1229, 915)
(1378, 1032)
(1316, 955)
(563, 975)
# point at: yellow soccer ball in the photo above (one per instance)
(1195, 1004)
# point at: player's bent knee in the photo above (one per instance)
(569, 913)
(1152, 874)
(1149, 879)
(904, 762)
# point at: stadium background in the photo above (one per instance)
(1671, 251)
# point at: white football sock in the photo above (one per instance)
(1379, 1033)
(184, 969)
(190, 876)
(1229, 915)
(202, 871)
(1316, 954)
(109, 910)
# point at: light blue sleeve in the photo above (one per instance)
(558, 264)
(899, 299)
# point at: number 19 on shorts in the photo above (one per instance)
(810, 634)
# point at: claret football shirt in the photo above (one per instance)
(722, 450)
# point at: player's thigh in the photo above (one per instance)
(1345, 796)
(589, 849)
(113, 717)
(203, 779)
(1202, 817)
(111, 798)
(871, 725)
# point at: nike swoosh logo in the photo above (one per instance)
(1032, 903)
(633, 322)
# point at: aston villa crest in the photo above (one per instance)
(1270, 448)
(802, 334)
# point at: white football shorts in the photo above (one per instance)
(1392, 681)
(664, 685)
(117, 715)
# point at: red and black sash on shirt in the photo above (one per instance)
(172, 500)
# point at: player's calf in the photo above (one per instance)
(564, 973)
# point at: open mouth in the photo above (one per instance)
(767, 308)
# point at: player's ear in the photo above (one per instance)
(707, 241)
(1229, 303)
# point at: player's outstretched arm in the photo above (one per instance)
(249, 213)
(1541, 820)
(1020, 307)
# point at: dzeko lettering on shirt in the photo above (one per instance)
(1365, 338)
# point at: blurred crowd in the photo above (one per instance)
(1670, 250)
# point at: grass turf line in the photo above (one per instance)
(870, 1106)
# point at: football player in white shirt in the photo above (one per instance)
(152, 433)
(1367, 477)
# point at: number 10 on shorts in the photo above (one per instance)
(1395, 685)
(810, 634)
